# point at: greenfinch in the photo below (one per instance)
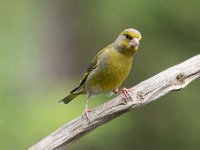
(108, 69)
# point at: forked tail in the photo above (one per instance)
(73, 94)
(69, 98)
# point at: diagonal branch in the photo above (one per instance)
(172, 79)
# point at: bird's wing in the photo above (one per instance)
(90, 67)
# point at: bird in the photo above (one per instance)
(108, 69)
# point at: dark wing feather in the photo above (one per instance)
(90, 67)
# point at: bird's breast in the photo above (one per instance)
(112, 69)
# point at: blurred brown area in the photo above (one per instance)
(45, 46)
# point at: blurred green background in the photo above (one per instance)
(45, 47)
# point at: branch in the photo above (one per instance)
(172, 79)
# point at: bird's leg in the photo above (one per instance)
(86, 110)
(124, 91)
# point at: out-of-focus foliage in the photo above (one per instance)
(45, 46)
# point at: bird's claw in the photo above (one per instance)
(125, 91)
(85, 114)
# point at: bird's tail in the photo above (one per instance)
(69, 98)
(73, 94)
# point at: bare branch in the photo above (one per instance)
(172, 79)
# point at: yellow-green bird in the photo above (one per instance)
(109, 68)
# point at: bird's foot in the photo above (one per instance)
(85, 114)
(124, 91)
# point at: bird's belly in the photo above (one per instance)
(106, 80)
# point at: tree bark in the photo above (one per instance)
(172, 79)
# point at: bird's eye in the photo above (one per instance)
(128, 37)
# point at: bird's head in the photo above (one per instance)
(128, 41)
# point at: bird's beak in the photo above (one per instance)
(134, 42)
